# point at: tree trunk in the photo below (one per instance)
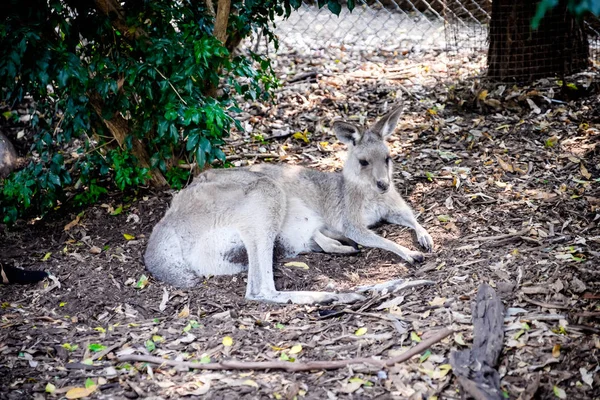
(119, 128)
(517, 53)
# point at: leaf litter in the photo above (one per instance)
(505, 179)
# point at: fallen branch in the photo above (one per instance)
(107, 350)
(476, 368)
(499, 237)
(295, 366)
(545, 305)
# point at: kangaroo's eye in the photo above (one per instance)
(364, 163)
(388, 159)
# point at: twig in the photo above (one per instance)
(499, 237)
(294, 367)
(172, 87)
(545, 305)
(107, 350)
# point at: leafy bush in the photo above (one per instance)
(122, 93)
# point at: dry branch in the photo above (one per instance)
(475, 368)
(294, 366)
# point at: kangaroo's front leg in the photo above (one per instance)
(368, 238)
(400, 214)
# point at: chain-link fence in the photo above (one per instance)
(403, 25)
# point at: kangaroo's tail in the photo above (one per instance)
(17, 275)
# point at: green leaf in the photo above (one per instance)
(150, 346)
(171, 115)
(50, 388)
(334, 7)
(89, 383)
(414, 337)
(542, 8)
(350, 4)
(96, 347)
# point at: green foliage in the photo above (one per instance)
(158, 76)
(576, 7)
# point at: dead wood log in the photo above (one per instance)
(476, 368)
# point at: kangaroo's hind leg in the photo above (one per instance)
(261, 215)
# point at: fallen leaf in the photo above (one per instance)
(296, 264)
(80, 393)
(142, 282)
(586, 377)
(504, 165)
(558, 392)
(95, 250)
(443, 218)
(250, 382)
(50, 388)
(165, 298)
(127, 236)
(414, 337)
(185, 312)
(361, 331)
(72, 223)
(584, 171)
(46, 256)
(227, 341)
(556, 351)
(437, 301)
(296, 349)
(351, 387)
(458, 338)
(301, 136)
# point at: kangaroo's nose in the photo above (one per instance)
(383, 186)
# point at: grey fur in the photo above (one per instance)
(224, 212)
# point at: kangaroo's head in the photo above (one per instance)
(369, 163)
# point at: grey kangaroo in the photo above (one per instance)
(231, 220)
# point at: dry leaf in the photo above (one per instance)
(361, 331)
(72, 223)
(556, 351)
(296, 349)
(504, 165)
(80, 393)
(296, 264)
(437, 301)
(185, 312)
(584, 171)
(165, 299)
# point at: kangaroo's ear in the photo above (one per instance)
(347, 133)
(387, 124)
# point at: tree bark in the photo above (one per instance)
(119, 128)
(222, 19)
(517, 53)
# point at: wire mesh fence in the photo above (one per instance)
(454, 26)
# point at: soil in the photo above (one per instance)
(509, 195)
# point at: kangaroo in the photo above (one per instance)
(231, 220)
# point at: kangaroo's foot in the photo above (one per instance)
(306, 297)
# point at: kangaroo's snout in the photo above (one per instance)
(383, 186)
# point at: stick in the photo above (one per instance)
(499, 237)
(294, 367)
(545, 305)
(107, 350)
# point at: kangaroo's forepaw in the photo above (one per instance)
(425, 240)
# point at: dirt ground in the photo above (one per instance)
(506, 182)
